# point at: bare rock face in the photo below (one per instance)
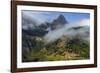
(59, 22)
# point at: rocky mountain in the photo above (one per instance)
(30, 31)
(32, 35)
(59, 22)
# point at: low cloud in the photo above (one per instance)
(83, 22)
(53, 35)
(31, 19)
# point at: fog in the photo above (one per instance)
(53, 35)
(31, 20)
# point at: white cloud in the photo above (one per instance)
(83, 22)
(53, 35)
(35, 16)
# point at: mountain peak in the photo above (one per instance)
(60, 20)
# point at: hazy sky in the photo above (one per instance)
(49, 16)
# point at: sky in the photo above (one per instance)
(43, 16)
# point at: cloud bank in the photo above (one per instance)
(53, 35)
